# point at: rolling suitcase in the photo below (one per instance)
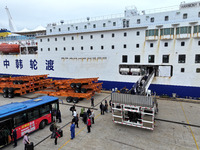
(30, 146)
(60, 132)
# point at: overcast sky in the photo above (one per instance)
(31, 13)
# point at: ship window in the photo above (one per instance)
(114, 23)
(55, 39)
(137, 58)
(199, 14)
(182, 69)
(50, 30)
(48, 49)
(125, 34)
(138, 21)
(41, 49)
(104, 24)
(101, 35)
(59, 29)
(91, 47)
(91, 36)
(198, 70)
(72, 38)
(124, 58)
(127, 23)
(102, 47)
(166, 44)
(48, 39)
(64, 48)
(113, 35)
(184, 16)
(72, 48)
(197, 58)
(85, 27)
(81, 37)
(181, 59)
(151, 58)
(183, 30)
(167, 31)
(166, 18)
(152, 19)
(124, 45)
(138, 33)
(199, 43)
(165, 59)
(76, 27)
(182, 43)
(68, 28)
(56, 49)
(40, 40)
(81, 47)
(63, 38)
(152, 32)
(137, 45)
(151, 44)
(113, 46)
(94, 25)
(196, 29)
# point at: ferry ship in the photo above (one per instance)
(119, 50)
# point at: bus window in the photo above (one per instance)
(54, 107)
(20, 119)
(32, 115)
(44, 110)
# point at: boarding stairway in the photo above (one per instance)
(142, 85)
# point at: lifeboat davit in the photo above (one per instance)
(9, 48)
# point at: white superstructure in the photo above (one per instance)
(119, 49)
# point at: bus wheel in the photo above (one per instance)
(42, 124)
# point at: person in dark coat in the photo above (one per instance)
(92, 101)
(106, 107)
(76, 121)
(72, 109)
(88, 112)
(72, 129)
(14, 135)
(59, 116)
(102, 109)
(85, 117)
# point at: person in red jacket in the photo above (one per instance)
(57, 135)
(88, 124)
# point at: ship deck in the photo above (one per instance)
(107, 135)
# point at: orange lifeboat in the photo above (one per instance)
(9, 48)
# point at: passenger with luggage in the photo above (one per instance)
(102, 108)
(72, 129)
(88, 124)
(26, 141)
(59, 116)
(14, 136)
(56, 135)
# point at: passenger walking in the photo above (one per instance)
(110, 103)
(59, 116)
(56, 135)
(92, 116)
(85, 117)
(82, 112)
(88, 124)
(14, 135)
(72, 129)
(92, 101)
(102, 109)
(26, 141)
(72, 109)
(106, 107)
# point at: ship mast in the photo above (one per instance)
(11, 25)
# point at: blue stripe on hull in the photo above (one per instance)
(181, 91)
